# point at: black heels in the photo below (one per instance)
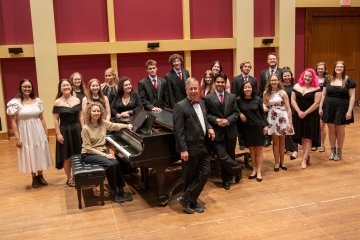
(276, 169)
(283, 167)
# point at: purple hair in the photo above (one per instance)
(314, 79)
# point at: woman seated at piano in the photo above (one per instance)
(126, 100)
(94, 150)
(94, 94)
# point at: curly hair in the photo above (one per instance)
(175, 56)
(88, 112)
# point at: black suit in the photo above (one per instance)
(190, 137)
(151, 97)
(239, 80)
(225, 137)
(235, 89)
(263, 80)
(176, 86)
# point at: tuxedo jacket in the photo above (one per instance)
(176, 86)
(189, 134)
(151, 97)
(239, 80)
(228, 110)
(264, 74)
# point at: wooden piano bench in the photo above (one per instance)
(87, 175)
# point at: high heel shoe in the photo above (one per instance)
(283, 167)
(293, 156)
(276, 169)
(252, 176)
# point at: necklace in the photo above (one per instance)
(66, 101)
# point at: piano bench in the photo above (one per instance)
(87, 175)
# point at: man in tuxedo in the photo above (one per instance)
(176, 79)
(265, 74)
(245, 76)
(223, 113)
(152, 89)
(191, 132)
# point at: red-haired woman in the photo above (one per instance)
(305, 99)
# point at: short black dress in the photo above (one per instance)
(70, 129)
(308, 127)
(336, 103)
(256, 121)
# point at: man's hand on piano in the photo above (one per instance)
(211, 133)
(184, 156)
(156, 109)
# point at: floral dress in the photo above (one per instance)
(277, 117)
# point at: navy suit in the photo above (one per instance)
(176, 86)
(225, 137)
(151, 97)
(189, 136)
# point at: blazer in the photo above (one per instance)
(231, 113)
(263, 79)
(239, 80)
(176, 86)
(189, 135)
(151, 97)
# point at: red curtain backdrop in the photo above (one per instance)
(264, 18)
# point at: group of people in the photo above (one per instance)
(209, 116)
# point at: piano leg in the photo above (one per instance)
(165, 197)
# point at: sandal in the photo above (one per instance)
(322, 149)
(70, 182)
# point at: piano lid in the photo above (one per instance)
(164, 118)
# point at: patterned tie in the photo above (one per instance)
(221, 98)
(245, 78)
(272, 72)
(180, 75)
(155, 83)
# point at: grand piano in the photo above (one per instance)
(151, 144)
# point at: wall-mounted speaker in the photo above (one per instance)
(15, 50)
(153, 45)
(267, 41)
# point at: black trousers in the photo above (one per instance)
(112, 168)
(225, 151)
(195, 174)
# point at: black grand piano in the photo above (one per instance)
(151, 144)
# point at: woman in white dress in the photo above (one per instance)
(28, 124)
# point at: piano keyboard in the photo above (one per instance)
(119, 148)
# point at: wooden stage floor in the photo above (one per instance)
(321, 202)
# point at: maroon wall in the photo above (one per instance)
(15, 22)
(90, 66)
(264, 18)
(202, 61)
(80, 21)
(300, 41)
(211, 19)
(148, 20)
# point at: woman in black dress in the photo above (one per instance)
(288, 83)
(321, 71)
(109, 87)
(68, 121)
(336, 107)
(255, 126)
(305, 100)
(79, 89)
(126, 100)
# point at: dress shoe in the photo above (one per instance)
(267, 143)
(226, 185)
(125, 197)
(186, 205)
(292, 157)
(259, 179)
(42, 180)
(197, 207)
(252, 177)
(238, 177)
(283, 167)
(276, 169)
